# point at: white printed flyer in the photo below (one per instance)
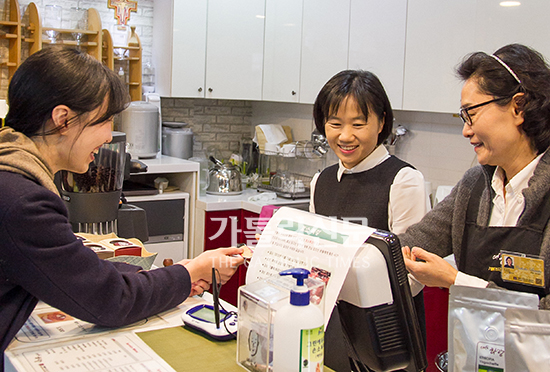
(116, 353)
(324, 246)
(47, 324)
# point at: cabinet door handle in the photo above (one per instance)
(293, 92)
(210, 90)
(200, 89)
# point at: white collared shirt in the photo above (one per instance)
(507, 208)
(407, 204)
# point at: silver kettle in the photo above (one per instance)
(223, 179)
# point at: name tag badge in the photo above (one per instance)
(522, 268)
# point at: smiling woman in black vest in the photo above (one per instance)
(368, 185)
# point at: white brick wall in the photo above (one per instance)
(216, 124)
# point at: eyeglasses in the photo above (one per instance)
(464, 112)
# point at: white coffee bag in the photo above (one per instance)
(476, 326)
(527, 340)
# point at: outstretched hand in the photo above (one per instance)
(428, 268)
(224, 260)
(199, 287)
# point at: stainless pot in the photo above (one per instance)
(223, 179)
(140, 122)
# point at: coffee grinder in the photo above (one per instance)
(93, 199)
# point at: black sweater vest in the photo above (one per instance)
(359, 197)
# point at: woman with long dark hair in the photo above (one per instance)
(61, 108)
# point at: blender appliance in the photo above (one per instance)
(93, 199)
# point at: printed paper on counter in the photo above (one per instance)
(324, 246)
(48, 324)
(122, 352)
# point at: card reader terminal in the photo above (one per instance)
(203, 318)
(206, 318)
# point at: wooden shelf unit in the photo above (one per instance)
(93, 34)
(107, 54)
(134, 61)
(12, 29)
(97, 42)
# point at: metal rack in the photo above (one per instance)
(288, 185)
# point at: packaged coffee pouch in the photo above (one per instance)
(527, 340)
(476, 326)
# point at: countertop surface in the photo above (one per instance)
(169, 164)
(210, 202)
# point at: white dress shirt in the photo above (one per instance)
(407, 204)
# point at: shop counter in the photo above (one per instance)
(161, 343)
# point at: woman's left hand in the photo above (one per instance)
(199, 287)
(428, 268)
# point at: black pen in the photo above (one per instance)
(216, 297)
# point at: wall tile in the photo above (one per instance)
(216, 124)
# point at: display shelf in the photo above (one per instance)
(30, 32)
(8, 23)
(33, 35)
(107, 50)
(92, 35)
(11, 29)
(134, 63)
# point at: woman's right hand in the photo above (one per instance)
(224, 260)
(428, 268)
(198, 288)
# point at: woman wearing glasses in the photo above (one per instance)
(502, 207)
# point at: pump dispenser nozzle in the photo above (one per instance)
(298, 298)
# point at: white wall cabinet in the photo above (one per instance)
(179, 47)
(282, 50)
(306, 43)
(235, 49)
(189, 49)
(440, 34)
(218, 49)
(377, 42)
(209, 48)
(526, 24)
(324, 44)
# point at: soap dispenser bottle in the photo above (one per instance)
(298, 330)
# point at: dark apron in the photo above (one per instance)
(481, 245)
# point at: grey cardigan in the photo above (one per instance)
(441, 230)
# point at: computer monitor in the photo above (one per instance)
(377, 311)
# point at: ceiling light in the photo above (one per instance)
(510, 3)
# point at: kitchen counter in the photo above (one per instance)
(184, 175)
(169, 164)
(210, 202)
(241, 202)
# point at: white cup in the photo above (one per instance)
(289, 150)
(271, 148)
(299, 186)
